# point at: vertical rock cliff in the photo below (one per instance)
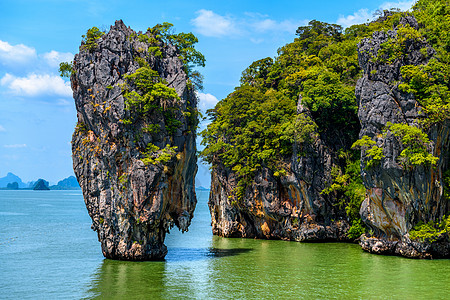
(398, 195)
(289, 207)
(134, 151)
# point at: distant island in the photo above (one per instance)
(41, 185)
(201, 188)
(14, 182)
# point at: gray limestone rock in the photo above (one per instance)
(397, 197)
(133, 203)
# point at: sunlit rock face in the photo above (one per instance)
(398, 197)
(290, 207)
(133, 194)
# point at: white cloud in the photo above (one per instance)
(18, 54)
(211, 24)
(271, 25)
(37, 85)
(403, 5)
(206, 101)
(53, 58)
(15, 146)
(2, 129)
(362, 15)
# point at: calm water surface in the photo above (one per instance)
(48, 251)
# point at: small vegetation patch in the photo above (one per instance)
(431, 231)
(90, 38)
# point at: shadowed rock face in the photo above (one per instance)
(397, 197)
(132, 204)
(290, 207)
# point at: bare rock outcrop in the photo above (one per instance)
(134, 151)
(398, 197)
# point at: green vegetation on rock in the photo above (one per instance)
(257, 126)
(431, 231)
(91, 37)
(65, 69)
(371, 151)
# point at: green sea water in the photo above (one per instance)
(48, 251)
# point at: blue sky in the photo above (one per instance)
(37, 113)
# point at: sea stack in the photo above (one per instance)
(134, 151)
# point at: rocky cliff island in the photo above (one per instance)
(407, 181)
(134, 151)
(343, 136)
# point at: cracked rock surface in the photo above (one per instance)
(398, 197)
(133, 203)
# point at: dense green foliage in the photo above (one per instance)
(433, 15)
(154, 93)
(430, 84)
(257, 125)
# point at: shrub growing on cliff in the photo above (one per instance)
(415, 144)
(431, 231)
(65, 69)
(185, 43)
(370, 150)
(91, 37)
(430, 84)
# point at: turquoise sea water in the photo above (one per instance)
(48, 251)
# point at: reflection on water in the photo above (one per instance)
(51, 253)
(240, 268)
(215, 252)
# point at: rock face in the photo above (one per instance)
(397, 197)
(289, 207)
(136, 165)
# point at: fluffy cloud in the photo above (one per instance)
(53, 58)
(24, 58)
(362, 15)
(18, 54)
(15, 146)
(206, 101)
(37, 85)
(2, 129)
(209, 23)
(271, 25)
